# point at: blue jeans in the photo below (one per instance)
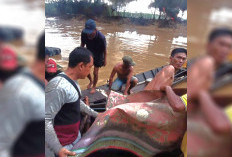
(118, 83)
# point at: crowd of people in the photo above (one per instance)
(80, 62)
(63, 94)
(151, 122)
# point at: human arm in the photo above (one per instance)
(104, 50)
(174, 100)
(86, 109)
(128, 82)
(54, 99)
(214, 115)
(105, 56)
(112, 76)
(53, 103)
(164, 77)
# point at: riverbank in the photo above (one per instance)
(119, 20)
(149, 46)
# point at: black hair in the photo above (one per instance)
(6, 74)
(218, 32)
(178, 50)
(79, 55)
(47, 52)
(41, 48)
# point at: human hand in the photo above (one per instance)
(110, 84)
(65, 152)
(86, 100)
(125, 93)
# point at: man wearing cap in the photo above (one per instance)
(63, 105)
(22, 108)
(125, 75)
(51, 69)
(95, 42)
(8, 63)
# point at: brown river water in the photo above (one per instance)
(29, 16)
(149, 46)
(203, 16)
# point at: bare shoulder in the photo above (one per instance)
(117, 66)
(131, 68)
(169, 68)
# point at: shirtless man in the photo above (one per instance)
(144, 116)
(125, 76)
(209, 126)
(166, 75)
(219, 46)
(178, 58)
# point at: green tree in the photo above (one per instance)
(118, 4)
(170, 8)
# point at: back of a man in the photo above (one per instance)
(27, 113)
(22, 103)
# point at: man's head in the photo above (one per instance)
(8, 59)
(81, 60)
(46, 55)
(178, 57)
(8, 63)
(128, 62)
(41, 48)
(90, 29)
(51, 66)
(220, 44)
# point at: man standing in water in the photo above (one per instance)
(95, 42)
(125, 75)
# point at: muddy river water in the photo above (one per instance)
(149, 46)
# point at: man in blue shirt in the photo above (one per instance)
(95, 42)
